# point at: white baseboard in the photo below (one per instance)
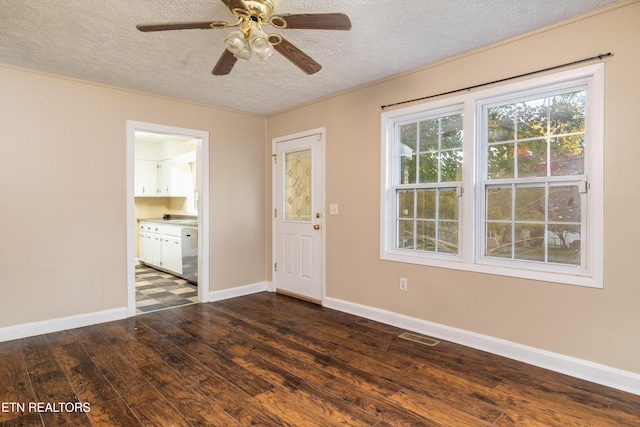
(61, 324)
(579, 368)
(239, 291)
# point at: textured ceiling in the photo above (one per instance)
(97, 40)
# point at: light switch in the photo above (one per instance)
(333, 209)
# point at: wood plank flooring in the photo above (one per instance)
(271, 360)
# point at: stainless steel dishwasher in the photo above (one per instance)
(189, 237)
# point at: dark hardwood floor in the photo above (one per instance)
(271, 360)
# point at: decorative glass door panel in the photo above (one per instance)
(297, 176)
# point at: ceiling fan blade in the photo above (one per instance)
(224, 64)
(236, 4)
(166, 26)
(317, 21)
(298, 57)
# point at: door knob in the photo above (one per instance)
(316, 227)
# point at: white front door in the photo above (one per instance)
(299, 216)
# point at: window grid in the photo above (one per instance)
(535, 238)
(435, 231)
(429, 159)
(559, 240)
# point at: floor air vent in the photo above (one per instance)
(419, 339)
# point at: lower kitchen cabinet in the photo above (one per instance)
(171, 254)
(149, 243)
(159, 246)
(143, 247)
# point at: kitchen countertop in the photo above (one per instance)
(179, 220)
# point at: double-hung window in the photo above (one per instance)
(504, 181)
(427, 182)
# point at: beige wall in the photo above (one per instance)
(156, 207)
(599, 325)
(63, 186)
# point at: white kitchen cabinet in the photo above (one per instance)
(150, 248)
(164, 178)
(160, 246)
(149, 243)
(156, 249)
(171, 254)
(161, 179)
(142, 248)
(146, 178)
(181, 179)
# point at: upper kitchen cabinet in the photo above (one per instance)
(146, 178)
(173, 178)
(162, 166)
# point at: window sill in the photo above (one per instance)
(455, 263)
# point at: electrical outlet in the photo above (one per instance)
(404, 283)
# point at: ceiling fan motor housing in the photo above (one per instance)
(261, 9)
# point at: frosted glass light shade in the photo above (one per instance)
(245, 53)
(259, 42)
(235, 41)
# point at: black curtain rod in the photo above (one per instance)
(568, 64)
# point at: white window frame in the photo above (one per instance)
(471, 230)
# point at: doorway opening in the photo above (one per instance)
(167, 217)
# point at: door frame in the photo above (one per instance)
(202, 182)
(323, 186)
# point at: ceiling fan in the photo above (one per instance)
(249, 36)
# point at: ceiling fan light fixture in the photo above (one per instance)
(235, 42)
(259, 42)
(245, 53)
(266, 53)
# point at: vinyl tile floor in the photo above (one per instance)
(157, 290)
